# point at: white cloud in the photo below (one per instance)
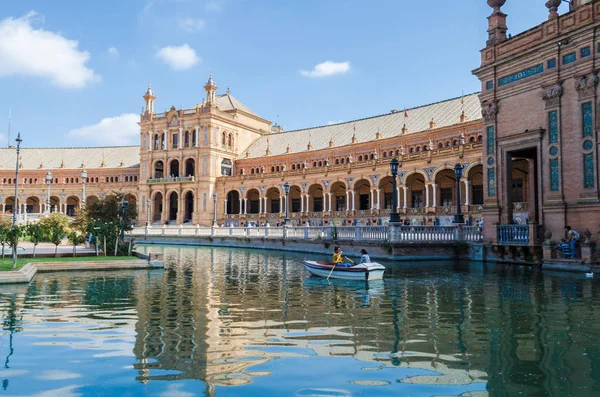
(113, 52)
(214, 5)
(26, 51)
(120, 130)
(327, 68)
(178, 58)
(191, 25)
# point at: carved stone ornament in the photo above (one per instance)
(489, 112)
(496, 4)
(586, 86)
(553, 7)
(551, 95)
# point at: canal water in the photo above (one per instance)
(232, 322)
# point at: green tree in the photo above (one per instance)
(75, 237)
(5, 224)
(35, 231)
(103, 219)
(55, 227)
(13, 236)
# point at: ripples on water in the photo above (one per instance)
(236, 323)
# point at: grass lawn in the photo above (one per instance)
(6, 263)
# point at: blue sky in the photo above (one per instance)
(73, 72)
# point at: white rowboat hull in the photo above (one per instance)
(362, 271)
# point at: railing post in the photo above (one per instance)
(230, 230)
(213, 231)
(146, 231)
(267, 230)
(164, 229)
(306, 231)
(393, 237)
(180, 230)
(285, 231)
(358, 232)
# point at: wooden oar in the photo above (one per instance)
(349, 260)
(331, 272)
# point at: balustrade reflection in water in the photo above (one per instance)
(243, 323)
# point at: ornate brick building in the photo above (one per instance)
(540, 121)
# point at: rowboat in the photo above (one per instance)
(361, 271)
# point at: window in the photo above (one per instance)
(175, 141)
(552, 63)
(223, 138)
(186, 141)
(226, 167)
(360, 157)
(446, 197)
(517, 191)
(585, 52)
(477, 195)
(417, 199)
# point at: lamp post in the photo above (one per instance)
(214, 210)
(148, 204)
(394, 216)
(48, 182)
(286, 187)
(83, 179)
(18, 140)
(124, 205)
(458, 172)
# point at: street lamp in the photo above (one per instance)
(148, 204)
(18, 140)
(394, 216)
(124, 205)
(83, 178)
(286, 187)
(458, 172)
(214, 210)
(48, 182)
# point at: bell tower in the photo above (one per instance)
(149, 98)
(211, 91)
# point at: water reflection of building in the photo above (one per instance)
(217, 313)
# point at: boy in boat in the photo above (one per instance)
(338, 259)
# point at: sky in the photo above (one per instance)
(73, 73)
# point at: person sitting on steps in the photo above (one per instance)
(572, 237)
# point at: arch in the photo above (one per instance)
(230, 140)
(295, 198)
(91, 200)
(411, 150)
(131, 199)
(416, 171)
(418, 149)
(441, 145)
(157, 209)
(447, 143)
(233, 202)
(440, 169)
(386, 191)
(173, 205)
(455, 142)
(338, 196)
(474, 174)
(415, 181)
(188, 206)
(33, 205)
(9, 204)
(55, 204)
(252, 200)
(446, 186)
(72, 204)
(190, 167)
(471, 139)
(159, 169)
(468, 169)
(316, 198)
(479, 138)
(174, 168)
(362, 189)
(273, 200)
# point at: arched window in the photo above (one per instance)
(126, 178)
(418, 149)
(385, 154)
(425, 148)
(314, 163)
(251, 170)
(272, 169)
(320, 163)
(186, 139)
(455, 142)
(230, 141)
(293, 167)
(156, 142)
(440, 145)
(372, 156)
(55, 180)
(479, 138)
(360, 158)
(337, 161)
(226, 167)
(391, 153)
(411, 150)
(135, 178)
(277, 168)
(223, 138)
(447, 143)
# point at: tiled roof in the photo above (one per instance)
(443, 113)
(91, 157)
(227, 102)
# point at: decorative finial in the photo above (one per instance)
(496, 4)
(553, 8)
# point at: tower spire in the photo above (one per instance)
(149, 97)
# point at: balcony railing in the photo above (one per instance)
(180, 179)
(513, 234)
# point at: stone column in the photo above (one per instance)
(165, 138)
(426, 196)
(245, 205)
(225, 208)
(405, 197)
(180, 138)
(260, 201)
(434, 186)
(3, 208)
(347, 201)
(301, 203)
(378, 206)
(265, 206)
(308, 203)
(280, 204)
(329, 202)
(467, 193)
(353, 201)
(196, 136)
(241, 206)
(150, 141)
(372, 199)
